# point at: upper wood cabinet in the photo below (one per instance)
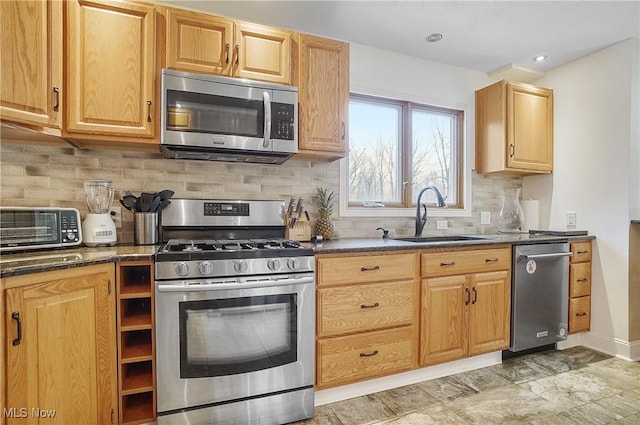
(514, 129)
(211, 44)
(31, 57)
(110, 70)
(322, 77)
(61, 345)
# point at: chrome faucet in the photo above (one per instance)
(422, 220)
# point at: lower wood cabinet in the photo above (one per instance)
(464, 314)
(367, 315)
(60, 346)
(580, 287)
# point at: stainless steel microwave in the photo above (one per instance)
(227, 119)
(27, 228)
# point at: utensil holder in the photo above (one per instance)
(145, 228)
(301, 230)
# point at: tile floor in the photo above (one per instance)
(569, 387)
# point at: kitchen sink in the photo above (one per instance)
(451, 238)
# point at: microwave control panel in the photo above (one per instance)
(282, 121)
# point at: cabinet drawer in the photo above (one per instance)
(347, 359)
(579, 279)
(365, 268)
(581, 252)
(579, 314)
(357, 308)
(462, 262)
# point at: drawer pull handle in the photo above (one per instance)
(582, 280)
(584, 313)
(226, 53)
(369, 269)
(370, 305)
(475, 295)
(237, 54)
(491, 260)
(583, 252)
(468, 296)
(148, 111)
(451, 263)
(16, 316)
(373, 353)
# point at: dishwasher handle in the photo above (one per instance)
(545, 256)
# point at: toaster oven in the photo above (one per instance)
(29, 228)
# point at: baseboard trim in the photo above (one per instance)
(626, 350)
(345, 392)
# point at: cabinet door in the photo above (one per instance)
(31, 57)
(110, 68)
(323, 95)
(489, 314)
(64, 356)
(199, 42)
(530, 128)
(262, 53)
(444, 317)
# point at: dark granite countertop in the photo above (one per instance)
(380, 244)
(41, 261)
(635, 221)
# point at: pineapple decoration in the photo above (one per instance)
(324, 199)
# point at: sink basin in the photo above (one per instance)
(452, 238)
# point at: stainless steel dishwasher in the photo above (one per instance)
(539, 295)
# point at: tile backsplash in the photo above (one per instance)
(35, 175)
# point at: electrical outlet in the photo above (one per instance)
(572, 219)
(442, 225)
(485, 217)
(116, 215)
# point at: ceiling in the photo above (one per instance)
(480, 35)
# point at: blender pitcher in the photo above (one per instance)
(98, 228)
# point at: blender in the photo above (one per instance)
(98, 228)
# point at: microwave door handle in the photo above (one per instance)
(267, 119)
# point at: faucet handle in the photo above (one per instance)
(385, 233)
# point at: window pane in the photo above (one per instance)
(374, 163)
(434, 136)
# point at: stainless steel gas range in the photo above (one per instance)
(235, 316)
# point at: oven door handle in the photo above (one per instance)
(186, 286)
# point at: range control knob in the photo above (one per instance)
(206, 267)
(182, 269)
(274, 264)
(293, 263)
(240, 266)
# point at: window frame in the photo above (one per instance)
(461, 207)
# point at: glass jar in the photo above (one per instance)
(511, 216)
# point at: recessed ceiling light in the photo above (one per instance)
(539, 58)
(434, 37)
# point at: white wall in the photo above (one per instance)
(592, 176)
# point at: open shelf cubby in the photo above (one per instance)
(136, 351)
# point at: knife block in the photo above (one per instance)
(301, 230)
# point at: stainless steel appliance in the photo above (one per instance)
(539, 295)
(28, 228)
(227, 119)
(235, 316)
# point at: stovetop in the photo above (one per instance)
(229, 249)
(206, 245)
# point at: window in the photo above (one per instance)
(397, 148)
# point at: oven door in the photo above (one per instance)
(219, 341)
